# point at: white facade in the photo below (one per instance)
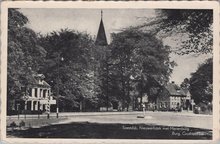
(38, 97)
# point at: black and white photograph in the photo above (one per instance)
(110, 73)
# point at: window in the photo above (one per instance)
(40, 92)
(35, 92)
(44, 93)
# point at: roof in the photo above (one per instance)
(185, 90)
(101, 36)
(45, 83)
(34, 82)
(41, 76)
(175, 90)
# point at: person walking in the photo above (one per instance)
(143, 106)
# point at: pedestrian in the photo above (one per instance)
(143, 106)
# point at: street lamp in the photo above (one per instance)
(25, 105)
(18, 109)
(58, 88)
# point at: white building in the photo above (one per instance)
(37, 96)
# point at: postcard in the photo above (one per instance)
(110, 72)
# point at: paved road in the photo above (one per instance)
(158, 118)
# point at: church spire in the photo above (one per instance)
(101, 36)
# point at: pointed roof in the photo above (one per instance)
(34, 81)
(101, 36)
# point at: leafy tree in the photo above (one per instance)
(75, 76)
(195, 26)
(104, 76)
(201, 83)
(140, 62)
(185, 83)
(25, 56)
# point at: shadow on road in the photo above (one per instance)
(112, 131)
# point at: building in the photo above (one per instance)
(37, 96)
(173, 97)
(101, 39)
(188, 101)
(100, 52)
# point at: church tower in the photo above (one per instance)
(101, 39)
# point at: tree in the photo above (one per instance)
(25, 56)
(201, 83)
(185, 83)
(104, 75)
(75, 77)
(195, 26)
(140, 62)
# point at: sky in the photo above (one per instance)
(87, 20)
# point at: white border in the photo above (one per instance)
(94, 5)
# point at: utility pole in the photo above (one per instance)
(58, 88)
(107, 86)
(48, 108)
(18, 109)
(107, 76)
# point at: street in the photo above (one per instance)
(157, 118)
